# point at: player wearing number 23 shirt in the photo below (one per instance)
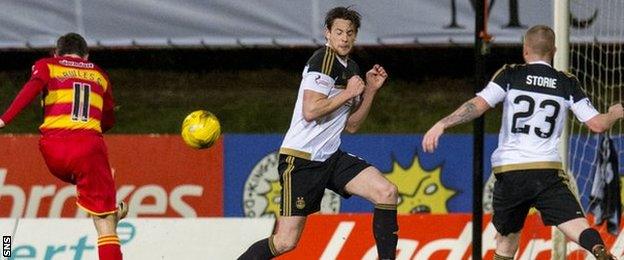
(536, 99)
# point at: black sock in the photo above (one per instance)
(263, 249)
(590, 238)
(385, 229)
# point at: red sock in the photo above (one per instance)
(109, 248)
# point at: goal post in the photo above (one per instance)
(561, 61)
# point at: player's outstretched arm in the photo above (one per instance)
(31, 89)
(470, 110)
(602, 122)
(316, 105)
(375, 78)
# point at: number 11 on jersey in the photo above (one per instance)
(80, 103)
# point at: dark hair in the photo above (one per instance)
(345, 13)
(71, 43)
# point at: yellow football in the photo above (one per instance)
(200, 129)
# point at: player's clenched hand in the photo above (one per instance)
(617, 110)
(1, 123)
(430, 140)
(355, 86)
(376, 77)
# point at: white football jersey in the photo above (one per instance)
(536, 99)
(317, 140)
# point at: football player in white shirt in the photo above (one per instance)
(332, 99)
(526, 164)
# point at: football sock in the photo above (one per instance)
(500, 257)
(385, 229)
(109, 248)
(263, 249)
(590, 238)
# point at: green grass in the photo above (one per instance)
(259, 101)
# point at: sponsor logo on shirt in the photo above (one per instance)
(77, 64)
(322, 82)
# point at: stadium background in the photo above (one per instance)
(252, 90)
(172, 82)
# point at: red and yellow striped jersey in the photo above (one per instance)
(77, 96)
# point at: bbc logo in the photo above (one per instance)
(6, 246)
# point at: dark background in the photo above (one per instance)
(405, 63)
(253, 90)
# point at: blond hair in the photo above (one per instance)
(540, 39)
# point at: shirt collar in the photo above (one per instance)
(540, 62)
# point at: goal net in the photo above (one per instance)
(596, 54)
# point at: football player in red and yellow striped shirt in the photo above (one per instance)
(78, 108)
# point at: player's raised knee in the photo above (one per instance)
(386, 193)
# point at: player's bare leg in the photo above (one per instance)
(373, 186)
(579, 231)
(506, 246)
(287, 233)
(106, 227)
(122, 211)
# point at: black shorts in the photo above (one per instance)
(548, 190)
(304, 182)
